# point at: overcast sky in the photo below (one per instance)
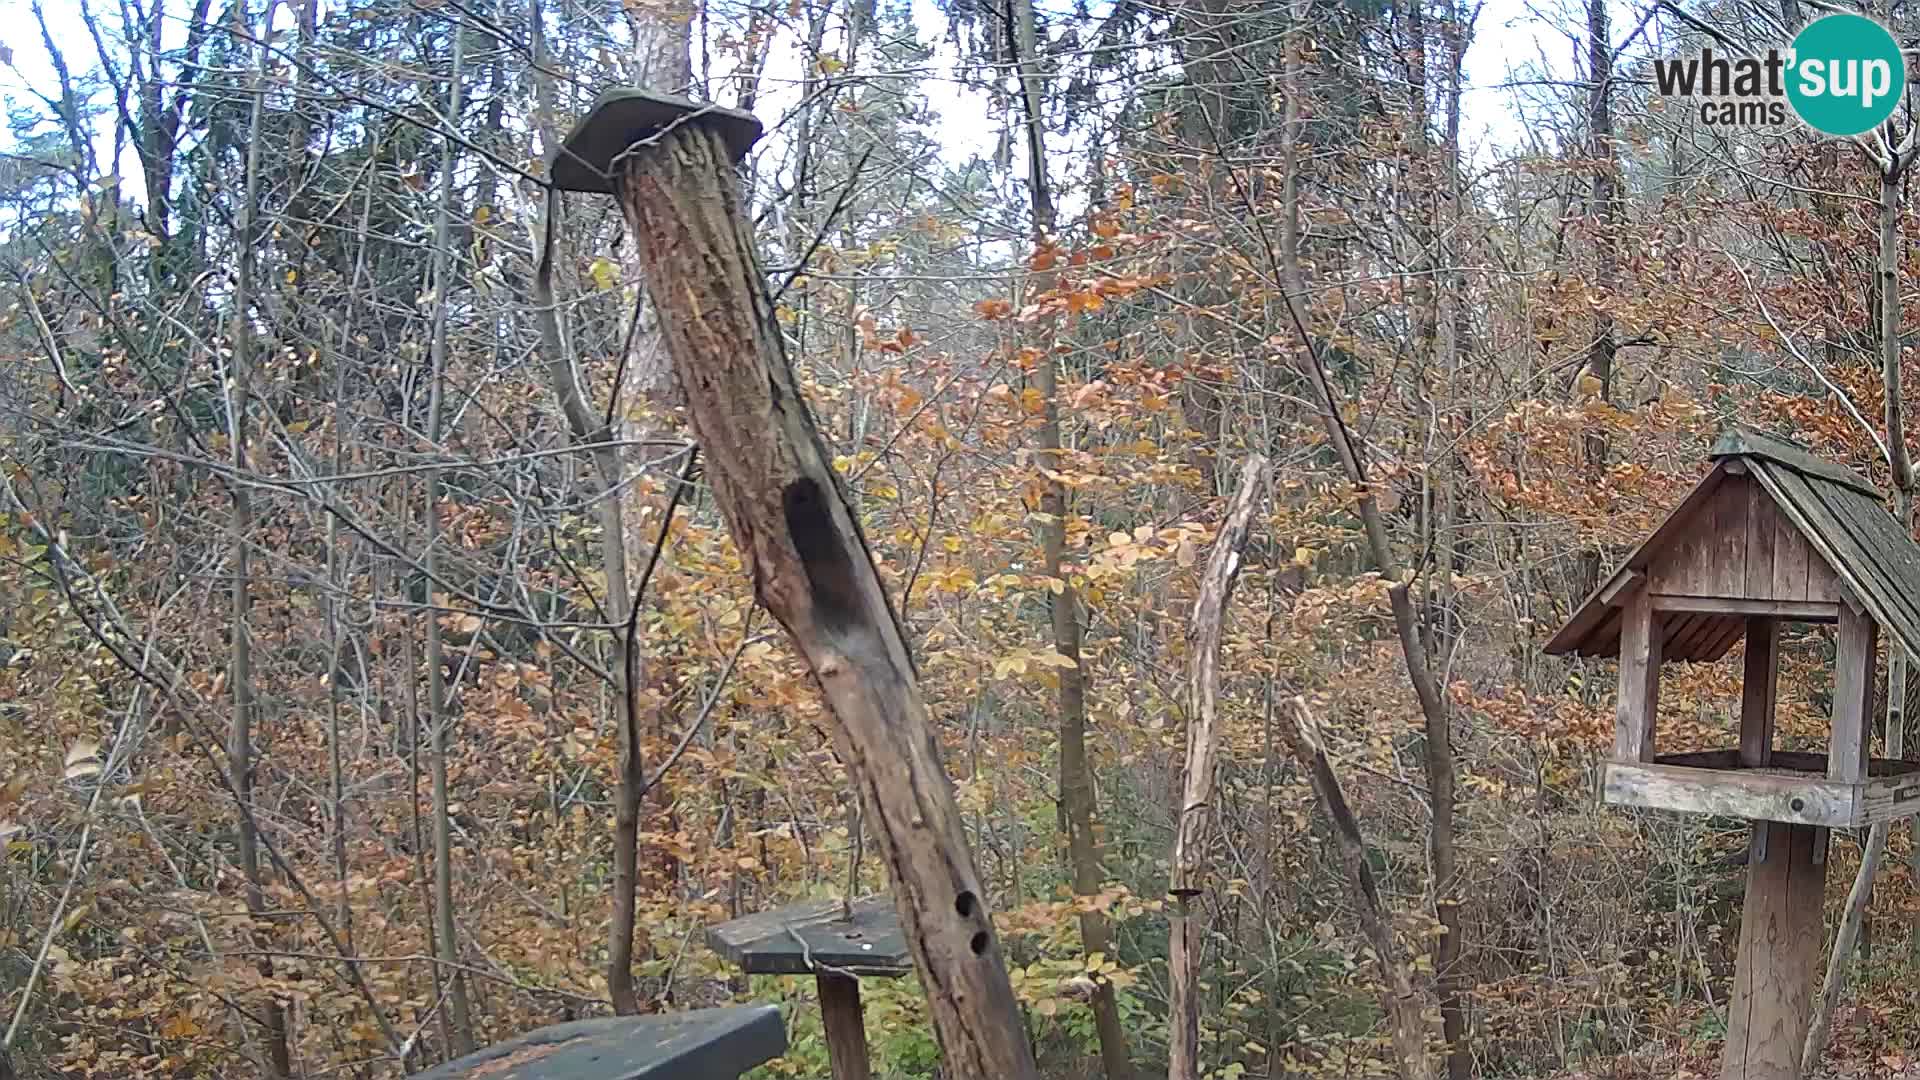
(1516, 41)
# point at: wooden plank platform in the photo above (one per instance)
(1793, 788)
(700, 1044)
(802, 938)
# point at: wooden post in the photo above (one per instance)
(1758, 683)
(1757, 687)
(1779, 962)
(1193, 815)
(1852, 694)
(846, 1027)
(774, 482)
(1639, 679)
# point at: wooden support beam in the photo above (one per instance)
(1757, 688)
(1852, 690)
(846, 1027)
(1623, 585)
(1778, 966)
(1639, 680)
(1794, 610)
(1758, 685)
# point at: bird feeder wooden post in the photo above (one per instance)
(839, 944)
(671, 162)
(1772, 535)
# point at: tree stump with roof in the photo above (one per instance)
(1771, 535)
(670, 162)
(838, 944)
(700, 1044)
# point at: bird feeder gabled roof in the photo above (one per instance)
(1765, 499)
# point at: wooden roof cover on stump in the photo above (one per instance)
(1771, 529)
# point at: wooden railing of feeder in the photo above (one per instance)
(838, 944)
(700, 1044)
(1771, 535)
(671, 164)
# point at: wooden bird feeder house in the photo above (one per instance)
(838, 944)
(1771, 535)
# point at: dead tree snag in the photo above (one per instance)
(774, 482)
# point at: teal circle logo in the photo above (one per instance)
(1847, 75)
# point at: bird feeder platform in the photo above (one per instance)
(623, 117)
(701, 1044)
(838, 944)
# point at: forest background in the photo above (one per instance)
(379, 680)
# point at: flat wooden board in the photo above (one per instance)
(1792, 788)
(623, 116)
(700, 1044)
(801, 938)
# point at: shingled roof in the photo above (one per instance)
(1842, 518)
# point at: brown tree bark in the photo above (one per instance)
(1603, 206)
(775, 484)
(1193, 815)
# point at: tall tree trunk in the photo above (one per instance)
(588, 430)
(1888, 318)
(240, 756)
(1603, 205)
(1437, 725)
(446, 946)
(1192, 816)
(1076, 772)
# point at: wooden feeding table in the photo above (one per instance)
(1771, 535)
(701, 1044)
(837, 944)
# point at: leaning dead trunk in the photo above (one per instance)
(1403, 1003)
(1193, 817)
(775, 484)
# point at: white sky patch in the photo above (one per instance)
(1524, 52)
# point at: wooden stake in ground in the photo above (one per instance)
(671, 164)
(1194, 815)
